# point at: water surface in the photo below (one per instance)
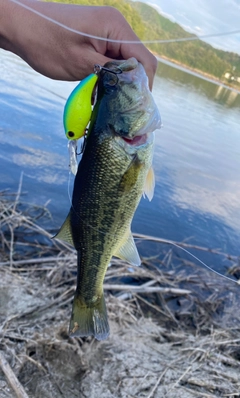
(196, 162)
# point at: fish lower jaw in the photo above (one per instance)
(137, 140)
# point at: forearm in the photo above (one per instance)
(47, 47)
(6, 23)
(29, 35)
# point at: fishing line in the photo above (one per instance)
(200, 261)
(170, 242)
(135, 42)
(234, 32)
(69, 182)
(173, 244)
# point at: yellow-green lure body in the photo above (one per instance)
(78, 108)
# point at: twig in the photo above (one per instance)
(140, 289)
(202, 383)
(36, 363)
(11, 251)
(39, 260)
(182, 244)
(180, 378)
(155, 307)
(18, 192)
(200, 394)
(12, 336)
(11, 378)
(157, 383)
(227, 342)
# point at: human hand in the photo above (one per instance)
(61, 54)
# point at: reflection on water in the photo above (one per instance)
(196, 162)
(226, 96)
(213, 90)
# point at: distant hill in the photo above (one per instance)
(148, 24)
(195, 54)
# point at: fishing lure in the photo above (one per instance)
(78, 108)
(77, 114)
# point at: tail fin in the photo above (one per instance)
(88, 321)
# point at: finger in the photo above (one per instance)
(123, 32)
(147, 59)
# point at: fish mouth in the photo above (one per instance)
(138, 140)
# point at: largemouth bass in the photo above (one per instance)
(113, 174)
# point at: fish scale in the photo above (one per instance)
(110, 181)
(108, 215)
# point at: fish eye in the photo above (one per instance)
(110, 79)
(70, 134)
(112, 82)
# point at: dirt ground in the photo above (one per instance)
(175, 331)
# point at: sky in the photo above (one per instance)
(205, 17)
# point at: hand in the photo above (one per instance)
(60, 54)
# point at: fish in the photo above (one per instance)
(114, 172)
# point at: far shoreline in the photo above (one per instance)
(197, 72)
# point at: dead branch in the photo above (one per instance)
(11, 378)
(147, 290)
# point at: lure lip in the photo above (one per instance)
(72, 151)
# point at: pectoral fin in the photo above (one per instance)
(128, 251)
(130, 177)
(149, 184)
(65, 232)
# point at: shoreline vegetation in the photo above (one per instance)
(214, 79)
(174, 326)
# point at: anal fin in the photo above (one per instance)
(65, 232)
(128, 251)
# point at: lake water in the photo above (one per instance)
(196, 162)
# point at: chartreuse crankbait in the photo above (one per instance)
(78, 108)
(77, 114)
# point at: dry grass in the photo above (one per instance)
(174, 326)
